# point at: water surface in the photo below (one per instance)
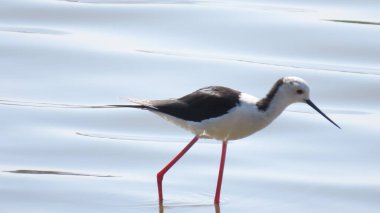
(56, 53)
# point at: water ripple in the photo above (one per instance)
(319, 67)
(133, 1)
(354, 22)
(45, 172)
(32, 30)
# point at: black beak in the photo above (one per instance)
(320, 112)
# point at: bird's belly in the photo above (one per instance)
(235, 125)
(227, 129)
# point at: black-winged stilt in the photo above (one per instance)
(225, 114)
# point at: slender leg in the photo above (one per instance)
(220, 177)
(160, 175)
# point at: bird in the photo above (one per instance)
(225, 114)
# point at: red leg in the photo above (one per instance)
(221, 169)
(160, 175)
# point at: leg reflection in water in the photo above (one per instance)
(162, 208)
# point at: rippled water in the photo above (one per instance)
(95, 52)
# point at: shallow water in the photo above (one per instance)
(96, 52)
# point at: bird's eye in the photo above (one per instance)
(300, 91)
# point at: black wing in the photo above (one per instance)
(205, 103)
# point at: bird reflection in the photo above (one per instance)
(217, 208)
(161, 208)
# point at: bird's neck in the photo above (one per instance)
(276, 105)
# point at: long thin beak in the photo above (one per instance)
(320, 112)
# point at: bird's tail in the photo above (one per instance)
(136, 104)
(115, 106)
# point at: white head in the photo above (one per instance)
(295, 89)
(289, 90)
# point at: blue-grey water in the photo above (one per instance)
(96, 52)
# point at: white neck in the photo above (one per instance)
(278, 104)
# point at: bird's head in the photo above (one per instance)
(297, 90)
